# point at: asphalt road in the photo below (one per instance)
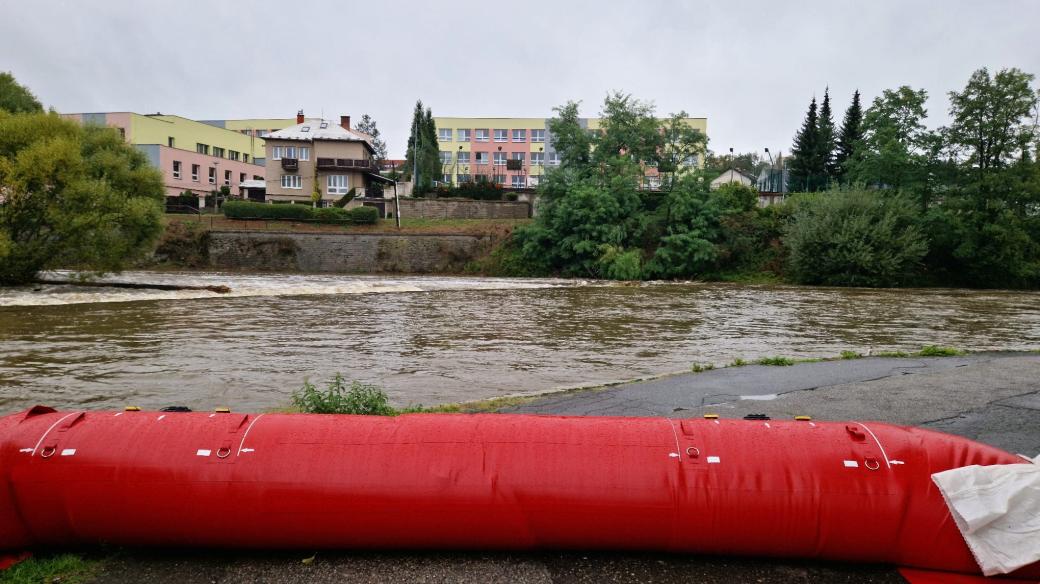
(994, 398)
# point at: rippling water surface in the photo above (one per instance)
(435, 339)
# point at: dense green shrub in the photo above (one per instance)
(342, 202)
(855, 238)
(331, 215)
(481, 190)
(338, 398)
(363, 215)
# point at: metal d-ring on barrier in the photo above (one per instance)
(693, 452)
(868, 462)
(226, 452)
(47, 452)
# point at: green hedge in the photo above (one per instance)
(302, 212)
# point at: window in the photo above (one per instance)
(482, 135)
(218, 152)
(338, 184)
(482, 157)
(537, 158)
(245, 158)
(518, 156)
(305, 129)
(446, 179)
(462, 135)
(444, 134)
(305, 153)
(241, 177)
(227, 177)
(519, 135)
(463, 178)
(212, 175)
(232, 155)
(263, 133)
(554, 159)
(201, 148)
(276, 153)
(169, 141)
(518, 181)
(323, 125)
(501, 135)
(691, 160)
(292, 181)
(500, 158)
(538, 135)
(281, 152)
(445, 157)
(257, 177)
(195, 172)
(177, 169)
(500, 179)
(463, 157)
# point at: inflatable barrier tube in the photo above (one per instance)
(849, 491)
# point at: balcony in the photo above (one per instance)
(347, 164)
(290, 164)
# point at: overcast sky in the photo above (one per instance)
(749, 67)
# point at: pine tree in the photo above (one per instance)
(804, 170)
(851, 133)
(368, 126)
(431, 158)
(414, 138)
(825, 153)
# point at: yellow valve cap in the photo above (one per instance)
(222, 410)
(131, 409)
(803, 418)
(711, 416)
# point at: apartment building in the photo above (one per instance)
(513, 152)
(192, 156)
(316, 152)
(255, 127)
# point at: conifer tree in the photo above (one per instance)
(851, 133)
(804, 170)
(825, 152)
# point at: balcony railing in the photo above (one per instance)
(290, 163)
(346, 164)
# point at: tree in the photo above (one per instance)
(750, 163)
(422, 147)
(368, 126)
(825, 151)
(806, 172)
(16, 98)
(896, 150)
(850, 135)
(72, 196)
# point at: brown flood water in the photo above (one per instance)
(432, 340)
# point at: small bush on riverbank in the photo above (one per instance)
(776, 361)
(937, 351)
(338, 398)
(850, 355)
(699, 367)
(252, 210)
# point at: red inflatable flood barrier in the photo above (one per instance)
(840, 491)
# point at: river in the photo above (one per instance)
(431, 340)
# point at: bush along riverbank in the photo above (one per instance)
(251, 210)
(905, 207)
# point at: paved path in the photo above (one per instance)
(994, 398)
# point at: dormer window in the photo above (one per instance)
(324, 125)
(305, 129)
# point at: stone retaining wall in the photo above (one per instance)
(464, 209)
(345, 252)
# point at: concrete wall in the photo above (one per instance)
(344, 252)
(464, 209)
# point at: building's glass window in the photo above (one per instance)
(305, 129)
(463, 157)
(518, 181)
(463, 178)
(323, 125)
(195, 172)
(212, 175)
(444, 134)
(500, 179)
(538, 135)
(263, 133)
(305, 153)
(500, 158)
(519, 135)
(501, 135)
(241, 177)
(276, 153)
(690, 160)
(232, 155)
(292, 181)
(257, 177)
(201, 148)
(177, 169)
(482, 157)
(227, 177)
(446, 179)
(338, 184)
(554, 159)
(518, 156)
(218, 152)
(462, 135)
(245, 158)
(537, 158)
(482, 135)
(170, 141)
(445, 157)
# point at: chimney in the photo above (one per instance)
(344, 121)
(299, 117)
